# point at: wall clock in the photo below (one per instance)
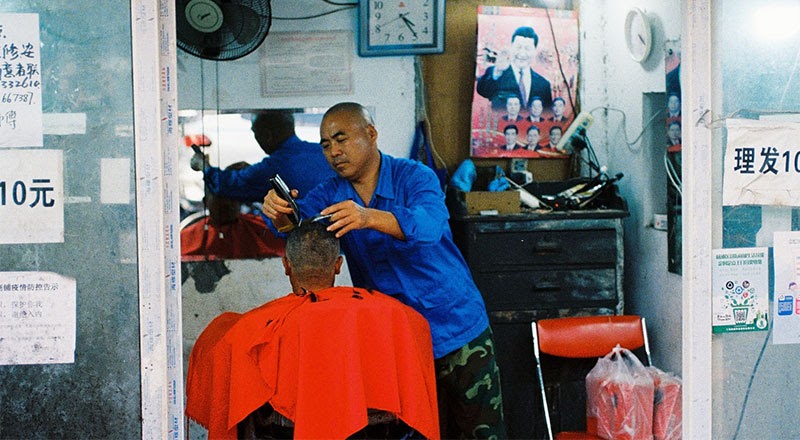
(400, 27)
(638, 35)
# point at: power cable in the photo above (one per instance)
(322, 14)
(625, 126)
(750, 384)
(558, 59)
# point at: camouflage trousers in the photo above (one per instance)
(468, 387)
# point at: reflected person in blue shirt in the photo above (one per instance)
(393, 224)
(301, 164)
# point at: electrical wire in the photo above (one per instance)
(672, 175)
(322, 14)
(592, 161)
(750, 383)
(219, 149)
(558, 59)
(625, 126)
(424, 113)
(340, 4)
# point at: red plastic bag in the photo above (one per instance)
(667, 415)
(619, 397)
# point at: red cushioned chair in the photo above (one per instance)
(584, 337)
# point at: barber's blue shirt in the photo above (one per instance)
(301, 165)
(426, 271)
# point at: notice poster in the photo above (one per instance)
(740, 289)
(307, 64)
(37, 318)
(762, 163)
(31, 196)
(20, 81)
(786, 314)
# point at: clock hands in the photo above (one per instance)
(399, 17)
(410, 24)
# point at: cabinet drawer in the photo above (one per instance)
(543, 289)
(497, 251)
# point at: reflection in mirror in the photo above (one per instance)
(218, 226)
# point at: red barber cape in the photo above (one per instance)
(320, 359)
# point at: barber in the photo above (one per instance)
(393, 224)
(301, 164)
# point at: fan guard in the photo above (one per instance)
(222, 29)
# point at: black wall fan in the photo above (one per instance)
(222, 29)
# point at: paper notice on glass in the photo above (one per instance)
(37, 318)
(786, 302)
(31, 196)
(307, 63)
(762, 163)
(20, 81)
(740, 298)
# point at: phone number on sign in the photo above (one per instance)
(8, 98)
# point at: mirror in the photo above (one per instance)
(227, 140)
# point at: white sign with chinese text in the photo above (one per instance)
(786, 303)
(31, 196)
(740, 298)
(307, 63)
(762, 163)
(20, 81)
(37, 318)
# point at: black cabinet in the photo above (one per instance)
(533, 266)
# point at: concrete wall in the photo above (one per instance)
(622, 95)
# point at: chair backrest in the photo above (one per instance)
(585, 337)
(590, 336)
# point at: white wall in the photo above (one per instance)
(610, 78)
(383, 83)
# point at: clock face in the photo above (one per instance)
(638, 35)
(393, 27)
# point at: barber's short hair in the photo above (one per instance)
(559, 99)
(311, 249)
(532, 127)
(527, 32)
(556, 127)
(511, 127)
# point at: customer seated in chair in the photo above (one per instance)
(318, 361)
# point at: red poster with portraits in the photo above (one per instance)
(526, 81)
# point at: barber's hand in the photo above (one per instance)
(277, 209)
(198, 161)
(347, 216)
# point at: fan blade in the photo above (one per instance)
(242, 28)
(242, 21)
